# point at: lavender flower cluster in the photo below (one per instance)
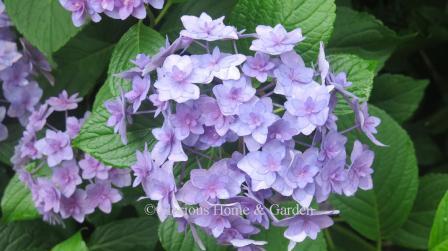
(277, 112)
(64, 183)
(18, 70)
(82, 10)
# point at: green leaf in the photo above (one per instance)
(363, 35)
(95, 137)
(340, 238)
(359, 71)
(172, 240)
(28, 235)
(137, 234)
(43, 22)
(378, 213)
(172, 25)
(17, 203)
(415, 232)
(438, 238)
(398, 95)
(14, 134)
(74, 243)
(314, 17)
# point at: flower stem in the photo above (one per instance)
(163, 12)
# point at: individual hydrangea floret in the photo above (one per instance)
(275, 40)
(259, 66)
(220, 65)
(64, 102)
(205, 28)
(177, 78)
(56, 147)
(232, 93)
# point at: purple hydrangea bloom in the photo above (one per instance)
(253, 122)
(218, 182)
(125, 8)
(333, 146)
(64, 102)
(3, 128)
(211, 115)
(215, 221)
(81, 10)
(45, 195)
(16, 75)
(263, 167)
(56, 146)
(139, 92)
(255, 210)
(302, 226)
(120, 177)
(27, 146)
(239, 229)
(101, 194)
(367, 123)
(360, 171)
(281, 130)
(118, 116)
(332, 178)
(176, 79)
(186, 120)
(75, 206)
(161, 186)
(23, 99)
(66, 177)
(92, 168)
(38, 118)
(205, 28)
(308, 109)
(277, 40)
(142, 167)
(260, 67)
(304, 167)
(8, 54)
(292, 74)
(232, 93)
(211, 138)
(220, 65)
(167, 146)
(73, 126)
(161, 105)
